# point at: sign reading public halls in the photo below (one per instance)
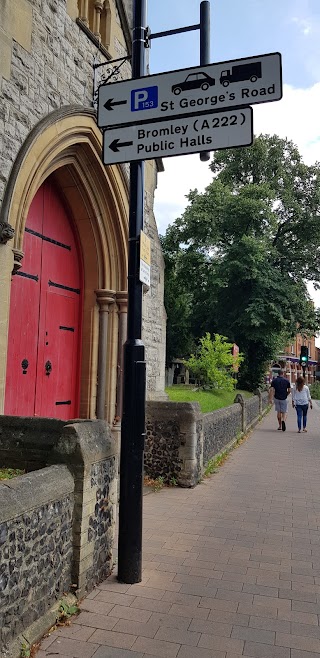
(178, 136)
(189, 91)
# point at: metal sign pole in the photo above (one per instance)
(204, 49)
(133, 419)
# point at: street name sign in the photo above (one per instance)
(179, 136)
(207, 88)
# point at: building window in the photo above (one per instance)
(95, 15)
(292, 349)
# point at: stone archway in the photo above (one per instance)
(66, 145)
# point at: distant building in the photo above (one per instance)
(289, 359)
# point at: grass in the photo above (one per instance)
(208, 400)
(9, 473)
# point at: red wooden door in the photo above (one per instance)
(45, 316)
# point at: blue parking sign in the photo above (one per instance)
(144, 99)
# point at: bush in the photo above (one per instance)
(315, 390)
(214, 364)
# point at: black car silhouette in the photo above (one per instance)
(194, 81)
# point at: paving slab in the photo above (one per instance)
(231, 568)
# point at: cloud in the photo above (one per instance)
(305, 25)
(181, 175)
(306, 17)
(296, 117)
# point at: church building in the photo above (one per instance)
(64, 216)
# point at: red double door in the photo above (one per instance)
(45, 315)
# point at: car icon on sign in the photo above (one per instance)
(194, 81)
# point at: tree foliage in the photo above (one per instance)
(214, 362)
(242, 252)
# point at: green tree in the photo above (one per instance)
(214, 362)
(245, 248)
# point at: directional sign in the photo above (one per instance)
(202, 88)
(162, 139)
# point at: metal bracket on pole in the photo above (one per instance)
(112, 72)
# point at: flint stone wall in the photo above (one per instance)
(57, 524)
(252, 409)
(264, 400)
(220, 428)
(35, 546)
(171, 440)
(180, 440)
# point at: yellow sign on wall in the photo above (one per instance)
(145, 259)
(145, 248)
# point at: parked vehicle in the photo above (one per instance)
(241, 72)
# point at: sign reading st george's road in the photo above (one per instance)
(187, 91)
(218, 130)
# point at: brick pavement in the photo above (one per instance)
(231, 567)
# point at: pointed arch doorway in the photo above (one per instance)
(43, 363)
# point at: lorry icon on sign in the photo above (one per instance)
(241, 73)
(194, 81)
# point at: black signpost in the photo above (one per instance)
(133, 419)
(204, 50)
(174, 100)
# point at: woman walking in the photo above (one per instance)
(301, 399)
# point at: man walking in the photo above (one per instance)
(278, 393)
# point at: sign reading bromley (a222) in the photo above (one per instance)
(182, 135)
(207, 88)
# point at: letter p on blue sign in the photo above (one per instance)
(144, 99)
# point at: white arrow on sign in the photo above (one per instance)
(180, 136)
(239, 82)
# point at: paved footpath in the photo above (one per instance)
(231, 567)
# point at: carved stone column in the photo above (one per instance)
(122, 301)
(98, 7)
(84, 13)
(104, 299)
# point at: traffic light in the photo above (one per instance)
(304, 355)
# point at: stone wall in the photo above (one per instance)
(264, 400)
(91, 454)
(220, 428)
(180, 439)
(35, 547)
(28, 443)
(57, 524)
(171, 440)
(252, 409)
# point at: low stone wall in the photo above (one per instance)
(172, 440)
(252, 410)
(220, 428)
(35, 546)
(28, 442)
(180, 439)
(57, 524)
